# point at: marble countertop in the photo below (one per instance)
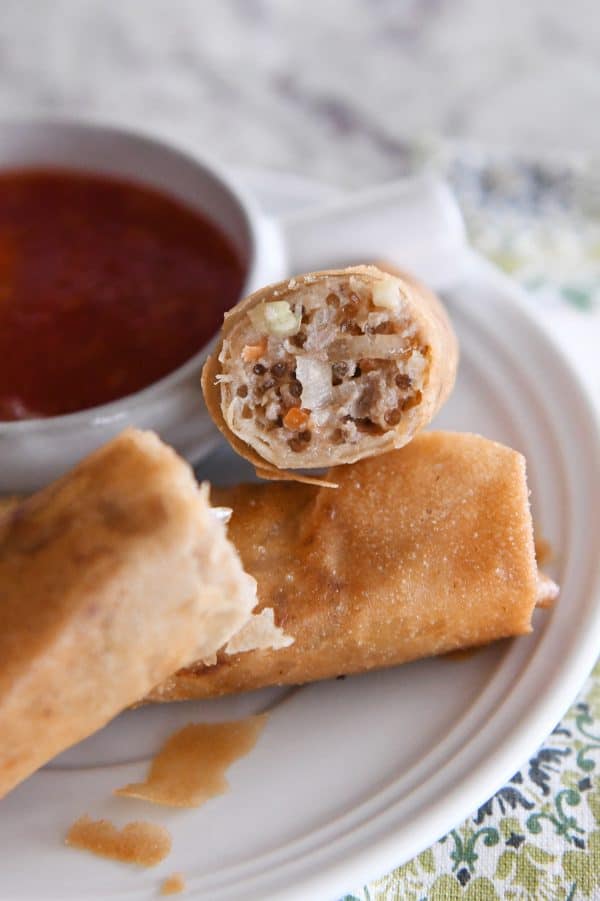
(340, 89)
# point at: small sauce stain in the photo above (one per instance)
(190, 768)
(173, 885)
(543, 550)
(145, 844)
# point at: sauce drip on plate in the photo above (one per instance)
(190, 767)
(145, 844)
(105, 287)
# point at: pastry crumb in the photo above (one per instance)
(140, 842)
(547, 591)
(173, 885)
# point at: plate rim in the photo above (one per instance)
(376, 855)
(380, 856)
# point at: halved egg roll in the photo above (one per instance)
(111, 579)
(420, 551)
(329, 368)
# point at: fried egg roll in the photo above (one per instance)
(418, 552)
(111, 579)
(329, 368)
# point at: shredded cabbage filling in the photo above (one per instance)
(328, 365)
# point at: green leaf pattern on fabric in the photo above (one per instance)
(543, 847)
(537, 839)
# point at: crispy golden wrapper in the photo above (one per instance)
(418, 552)
(111, 579)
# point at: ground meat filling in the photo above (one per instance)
(330, 364)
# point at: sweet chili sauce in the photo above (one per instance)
(105, 287)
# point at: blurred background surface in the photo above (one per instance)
(342, 90)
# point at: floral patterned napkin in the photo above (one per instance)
(538, 838)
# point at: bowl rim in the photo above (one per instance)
(110, 411)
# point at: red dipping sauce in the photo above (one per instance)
(105, 287)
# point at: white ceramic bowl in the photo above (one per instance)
(34, 451)
(364, 227)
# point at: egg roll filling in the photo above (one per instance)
(335, 362)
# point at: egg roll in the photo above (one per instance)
(111, 579)
(329, 368)
(420, 551)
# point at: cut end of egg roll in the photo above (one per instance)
(111, 579)
(329, 368)
(419, 552)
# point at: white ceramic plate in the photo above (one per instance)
(353, 777)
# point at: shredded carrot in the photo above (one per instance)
(253, 352)
(296, 418)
